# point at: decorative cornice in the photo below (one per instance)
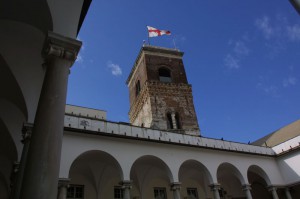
(59, 46)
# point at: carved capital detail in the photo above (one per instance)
(215, 187)
(126, 184)
(60, 46)
(175, 186)
(26, 132)
(246, 187)
(63, 182)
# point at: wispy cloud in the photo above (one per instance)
(238, 52)
(264, 25)
(240, 48)
(293, 32)
(79, 58)
(290, 81)
(231, 62)
(115, 68)
(267, 87)
(281, 31)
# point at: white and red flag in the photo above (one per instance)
(154, 32)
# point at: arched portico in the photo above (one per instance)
(151, 178)
(97, 173)
(195, 180)
(231, 181)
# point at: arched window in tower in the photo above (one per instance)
(164, 75)
(137, 88)
(178, 124)
(169, 121)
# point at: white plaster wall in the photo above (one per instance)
(65, 16)
(289, 164)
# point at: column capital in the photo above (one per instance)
(175, 186)
(215, 186)
(26, 132)
(246, 187)
(60, 46)
(126, 184)
(63, 182)
(272, 188)
(16, 166)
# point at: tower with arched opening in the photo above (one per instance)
(164, 97)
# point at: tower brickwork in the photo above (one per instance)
(160, 95)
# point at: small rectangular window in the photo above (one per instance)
(118, 193)
(75, 191)
(192, 193)
(160, 193)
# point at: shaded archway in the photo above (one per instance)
(231, 181)
(195, 179)
(97, 173)
(150, 175)
(259, 181)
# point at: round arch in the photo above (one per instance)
(98, 172)
(149, 172)
(259, 181)
(195, 179)
(231, 180)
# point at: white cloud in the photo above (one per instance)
(115, 68)
(263, 24)
(231, 62)
(293, 32)
(240, 48)
(79, 58)
(290, 81)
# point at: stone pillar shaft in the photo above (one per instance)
(43, 162)
(126, 186)
(62, 188)
(26, 134)
(174, 121)
(274, 193)
(215, 189)
(287, 193)
(246, 189)
(175, 187)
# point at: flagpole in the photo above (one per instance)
(148, 36)
(174, 42)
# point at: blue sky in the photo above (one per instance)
(241, 57)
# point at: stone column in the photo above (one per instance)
(273, 191)
(174, 120)
(26, 134)
(287, 193)
(215, 189)
(175, 187)
(63, 184)
(43, 162)
(246, 189)
(126, 186)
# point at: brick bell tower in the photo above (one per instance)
(160, 95)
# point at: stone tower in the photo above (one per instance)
(160, 96)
